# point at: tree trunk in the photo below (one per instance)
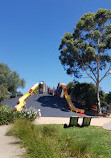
(97, 85)
(98, 98)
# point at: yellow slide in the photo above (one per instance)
(71, 106)
(21, 101)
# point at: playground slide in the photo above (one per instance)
(71, 106)
(21, 101)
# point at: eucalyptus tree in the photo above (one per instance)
(86, 49)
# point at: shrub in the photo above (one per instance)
(84, 93)
(6, 115)
(30, 114)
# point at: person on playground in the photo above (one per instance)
(39, 113)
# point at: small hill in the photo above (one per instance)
(51, 106)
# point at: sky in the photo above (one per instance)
(30, 35)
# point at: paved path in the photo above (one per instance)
(107, 126)
(9, 146)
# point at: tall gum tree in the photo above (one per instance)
(86, 49)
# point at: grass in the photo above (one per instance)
(53, 141)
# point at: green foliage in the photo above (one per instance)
(29, 114)
(86, 49)
(9, 81)
(8, 115)
(86, 93)
(83, 92)
(69, 87)
(3, 92)
(79, 50)
(102, 98)
(56, 142)
(108, 98)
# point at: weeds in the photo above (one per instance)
(49, 141)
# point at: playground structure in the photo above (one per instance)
(21, 101)
(69, 102)
(44, 89)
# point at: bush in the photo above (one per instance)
(84, 93)
(8, 115)
(29, 114)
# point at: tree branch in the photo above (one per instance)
(92, 71)
(88, 73)
(105, 73)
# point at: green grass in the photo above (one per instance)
(53, 141)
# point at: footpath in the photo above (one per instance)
(10, 146)
(105, 122)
